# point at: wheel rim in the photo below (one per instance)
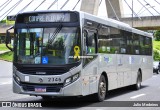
(102, 88)
(138, 82)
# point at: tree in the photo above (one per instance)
(156, 56)
(157, 35)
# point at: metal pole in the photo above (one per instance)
(76, 4)
(57, 5)
(151, 7)
(39, 5)
(113, 10)
(132, 13)
(4, 6)
(4, 3)
(131, 9)
(52, 4)
(145, 8)
(64, 4)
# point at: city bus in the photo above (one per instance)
(73, 53)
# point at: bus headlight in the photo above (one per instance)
(17, 79)
(68, 81)
(75, 77)
(71, 79)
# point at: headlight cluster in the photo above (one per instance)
(71, 79)
(16, 78)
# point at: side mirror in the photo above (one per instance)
(8, 38)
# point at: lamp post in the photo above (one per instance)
(57, 4)
(132, 13)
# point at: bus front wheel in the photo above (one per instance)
(100, 96)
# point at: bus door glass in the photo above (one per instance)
(90, 45)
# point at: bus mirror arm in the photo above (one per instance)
(8, 38)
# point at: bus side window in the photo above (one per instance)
(104, 40)
(91, 42)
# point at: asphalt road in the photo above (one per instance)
(150, 91)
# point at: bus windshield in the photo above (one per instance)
(47, 45)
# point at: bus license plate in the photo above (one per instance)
(40, 89)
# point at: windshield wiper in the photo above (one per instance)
(58, 29)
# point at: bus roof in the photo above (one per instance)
(114, 23)
(106, 21)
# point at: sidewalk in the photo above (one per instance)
(1, 52)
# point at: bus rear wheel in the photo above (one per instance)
(157, 71)
(137, 86)
(102, 89)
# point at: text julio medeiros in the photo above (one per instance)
(144, 104)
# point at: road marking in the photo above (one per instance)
(4, 83)
(154, 76)
(133, 97)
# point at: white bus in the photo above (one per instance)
(71, 53)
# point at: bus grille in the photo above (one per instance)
(47, 71)
(49, 87)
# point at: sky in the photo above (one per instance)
(138, 8)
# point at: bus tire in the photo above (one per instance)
(102, 89)
(137, 86)
(157, 71)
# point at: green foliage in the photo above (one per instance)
(157, 35)
(3, 21)
(156, 56)
(156, 50)
(7, 22)
(156, 45)
(3, 47)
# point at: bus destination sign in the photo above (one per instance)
(51, 17)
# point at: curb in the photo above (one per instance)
(3, 52)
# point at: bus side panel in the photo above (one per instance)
(147, 67)
(107, 64)
(90, 77)
(123, 70)
(127, 76)
(112, 80)
(135, 61)
(144, 63)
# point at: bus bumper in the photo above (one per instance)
(74, 89)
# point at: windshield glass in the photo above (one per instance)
(47, 45)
